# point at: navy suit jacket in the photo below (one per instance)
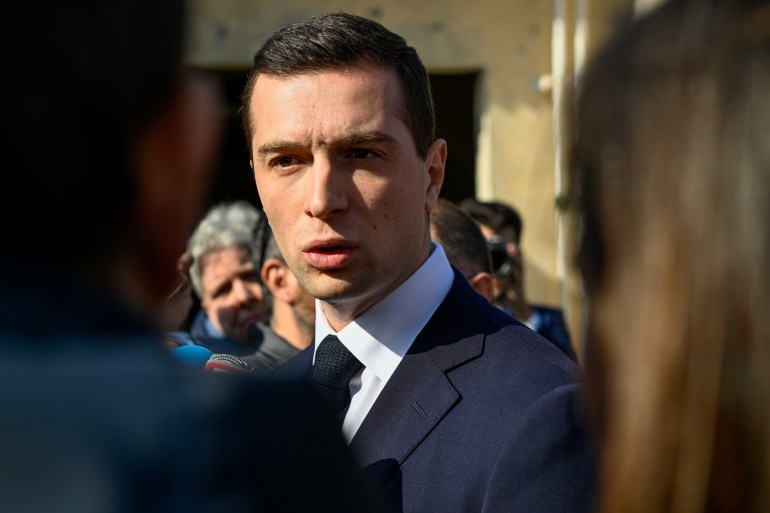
(553, 328)
(481, 415)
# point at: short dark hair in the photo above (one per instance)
(85, 84)
(463, 242)
(495, 214)
(340, 42)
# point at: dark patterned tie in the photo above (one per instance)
(332, 371)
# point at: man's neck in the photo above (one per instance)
(341, 313)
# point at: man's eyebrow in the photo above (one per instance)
(220, 287)
(357, 138)
(353, 139)
(276, 147)
(249, 270)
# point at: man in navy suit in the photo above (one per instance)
(447, 403)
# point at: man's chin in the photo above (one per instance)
(330, 289)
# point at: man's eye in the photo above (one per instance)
(250, 278)
(222, 291)
(285, 161)
(361, 153)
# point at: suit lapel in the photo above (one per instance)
(419, 394)
(299, 366)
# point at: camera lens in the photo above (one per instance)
(501, 263)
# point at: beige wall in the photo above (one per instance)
(510, 44)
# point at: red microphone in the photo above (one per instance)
(227, 363)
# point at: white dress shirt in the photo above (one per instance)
(381, 336)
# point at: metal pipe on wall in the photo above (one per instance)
(558, 74)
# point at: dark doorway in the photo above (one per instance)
(454, 99)
(233, 179)
(453, 95)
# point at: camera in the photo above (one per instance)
(501, 262)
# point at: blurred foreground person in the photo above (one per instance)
(104, 132)
(180, 304)
(673, 145)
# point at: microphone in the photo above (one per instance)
(227, 363)
(194, 356)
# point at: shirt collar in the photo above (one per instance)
(374, 338)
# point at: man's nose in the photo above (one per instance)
(325, 190)
(243, 293)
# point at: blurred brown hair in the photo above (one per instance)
(673, 154)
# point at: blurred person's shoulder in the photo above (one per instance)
(114, 423)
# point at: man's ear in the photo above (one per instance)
(435, 162)
(274, 276)
(173, 170)
(483, 284)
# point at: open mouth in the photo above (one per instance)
(330, 249)
(329, 257)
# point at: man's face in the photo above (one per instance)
(232, 297)
(341, 182)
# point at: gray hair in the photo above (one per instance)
(225, 225)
